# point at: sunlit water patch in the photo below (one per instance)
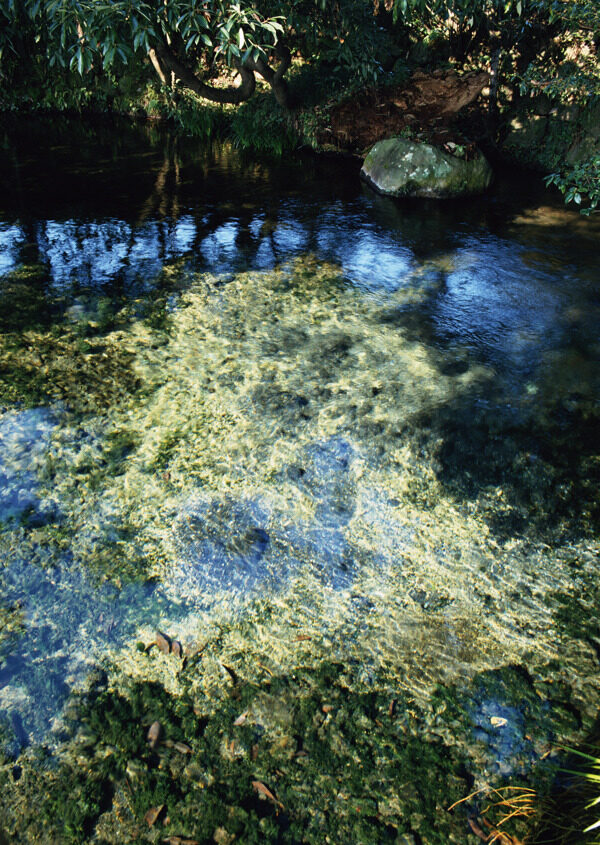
(24, 439)
(11, 237)
(275, 446)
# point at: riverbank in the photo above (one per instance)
(441, 108)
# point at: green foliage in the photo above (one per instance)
(470, 11)
(206, 121)
(89, 38)
(580, 184)
(592, 777)
(97, 56)
(541, 46)
(569, 70)
(262, 126)
(79, 34)
(471, 27)
(351, 46)
(83, 54)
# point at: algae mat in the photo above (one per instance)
(374, 558)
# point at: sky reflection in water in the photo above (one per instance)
(485, 291)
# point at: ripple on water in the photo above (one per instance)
(24, 439)
(224, 546)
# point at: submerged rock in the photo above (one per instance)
(325, 476)
(239, 547)
(399, 167)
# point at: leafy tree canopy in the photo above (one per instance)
(187, 40)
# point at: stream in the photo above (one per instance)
(293, 424)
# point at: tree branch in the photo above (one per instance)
(275, 77)
(157, 66)
(233, 94)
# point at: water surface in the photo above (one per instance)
(225, 382)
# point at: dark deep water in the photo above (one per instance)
(225, 380)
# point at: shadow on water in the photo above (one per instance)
(547, 470)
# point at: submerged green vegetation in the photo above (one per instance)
(360, 556)
(250, 755)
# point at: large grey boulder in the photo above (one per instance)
(399, 167)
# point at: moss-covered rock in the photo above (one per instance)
(399, 167)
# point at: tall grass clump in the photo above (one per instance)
(263, 126)
(592, 782)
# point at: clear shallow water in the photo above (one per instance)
(227, 382)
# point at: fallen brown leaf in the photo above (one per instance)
(163, 642)
(222, 836)
(152, 814)
(192, 651)
(231, 672)
(180, 840)
(477, 830)
(153, 734)
(260, 787)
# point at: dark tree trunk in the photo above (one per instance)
(233, 94)
(165, 63)
(275, 78)
(494, 85)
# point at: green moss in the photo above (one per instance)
(24, 304)
(262, 126)
(12, 625)
(38, 367)
(336, 761)
(166, 450)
